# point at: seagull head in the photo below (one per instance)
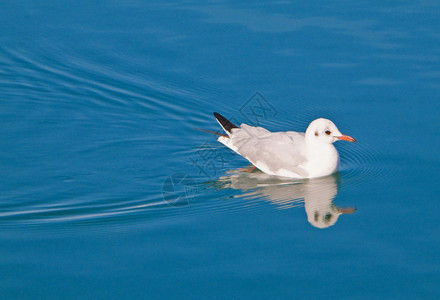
(323, 131)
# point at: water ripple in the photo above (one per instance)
(361, 163)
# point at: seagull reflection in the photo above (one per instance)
(316, 194)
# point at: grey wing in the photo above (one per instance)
(273, 151)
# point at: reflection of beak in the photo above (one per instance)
(346, 138)
(347, 210)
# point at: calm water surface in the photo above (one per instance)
(107, 191)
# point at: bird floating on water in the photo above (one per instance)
(288, 154)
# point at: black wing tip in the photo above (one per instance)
(226, 124)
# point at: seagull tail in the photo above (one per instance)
(225, 123)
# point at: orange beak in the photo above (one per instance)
(346, 138)
(347, 210)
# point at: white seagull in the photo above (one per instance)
(288, 154)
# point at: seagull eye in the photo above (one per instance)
(328, 132)
(327, 217)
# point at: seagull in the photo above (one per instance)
(286, 154)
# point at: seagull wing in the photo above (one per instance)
(275, 153)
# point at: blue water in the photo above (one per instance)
(107, 191)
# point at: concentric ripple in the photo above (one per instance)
(360, 163)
